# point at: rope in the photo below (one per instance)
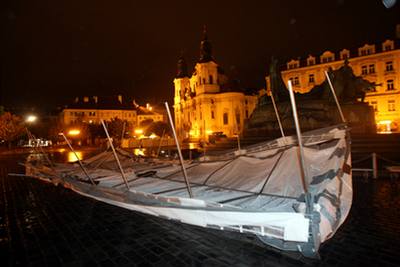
(360, 160)
(388, 160)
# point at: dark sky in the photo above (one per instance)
(54, 50)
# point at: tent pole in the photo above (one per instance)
(79, 161)
(159, 145)
(179, 151)
(311, 248)
(277, 114)
(334, 96)
(115, 155)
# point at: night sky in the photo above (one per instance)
(52, 51)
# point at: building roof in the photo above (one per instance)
(102, 102)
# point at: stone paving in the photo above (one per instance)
(44, 225)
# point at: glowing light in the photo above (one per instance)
(384, 127)
(72, 157)
(139, 131)
(61, 150)
(31, 118)
(209, 132)
(153, 135)
(74, 132)
(139, 151)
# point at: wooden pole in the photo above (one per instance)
(179, 151)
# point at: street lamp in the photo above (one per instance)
(31, 118)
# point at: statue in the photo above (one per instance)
(317, 108)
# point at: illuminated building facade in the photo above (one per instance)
(206, 103)
(379, 63)
(94, 109)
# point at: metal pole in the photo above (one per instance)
(277, 114)
(115, 155)
(313, 216)
(298, 131)
(238, 140)
(374, 166)
(159, 145)
(179, 151)
(79, 161)
(334, 96)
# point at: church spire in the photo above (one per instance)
(205, 48)
(181, 67)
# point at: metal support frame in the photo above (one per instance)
(79, 161)
(311, 248)
(277, 114)
(334, 96)
(115, 155)
(179, 151)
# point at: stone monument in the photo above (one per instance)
(317, 108)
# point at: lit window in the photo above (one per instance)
(364, 70)
(296, 81)
(311, 78)
(389, 66)
(372, 68)
(391, 105)
(225, 118)
(390, 85)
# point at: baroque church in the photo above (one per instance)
(206, 102)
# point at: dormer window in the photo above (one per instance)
(366, 50)
(293, 64)
(388, 45)
(344, 54)
(327, 56)
(310, 60)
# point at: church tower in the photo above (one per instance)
(205, 77)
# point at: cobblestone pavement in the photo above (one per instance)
(44, 225)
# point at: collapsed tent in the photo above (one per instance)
(258, 190)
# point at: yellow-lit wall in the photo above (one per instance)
(368, 64)
(70, 116)
(200, 106)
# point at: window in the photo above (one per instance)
(391, 105)
(390, 85)
(212, 114)
(388, 47)
(71, 113)
(371, 68)
(225, 118)
(311, 78)
(211, 79)
(374, 104)
(201, 115)
(212, 101)
(389, 66)
(204, 80)
(364, 70)
(296, 81)
(311, 62)
(247, 114)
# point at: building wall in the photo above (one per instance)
(371, 65)
(70, 116)
(201, 109)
